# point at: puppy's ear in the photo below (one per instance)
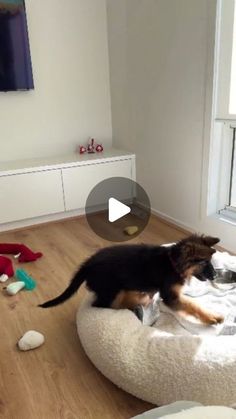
(210, 241)
(201, 251)
(189, 249)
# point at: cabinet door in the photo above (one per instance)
(79, 181)
(30, 195)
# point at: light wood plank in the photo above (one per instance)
(57, 380)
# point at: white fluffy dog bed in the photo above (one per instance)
(154, 365)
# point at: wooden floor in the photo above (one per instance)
(57, 380)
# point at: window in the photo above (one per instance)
(226, 61)
(223, 161)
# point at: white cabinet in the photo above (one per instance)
(41, 190)
(30, 195)
(79, 181)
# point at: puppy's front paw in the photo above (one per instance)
(212, 318)
(219, 318)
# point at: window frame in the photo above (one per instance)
(223, 58)
(220, 164)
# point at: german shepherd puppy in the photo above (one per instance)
(125, 276)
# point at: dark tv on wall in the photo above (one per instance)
(15, 61)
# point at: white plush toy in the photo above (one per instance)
(31, 340)
(15, 287)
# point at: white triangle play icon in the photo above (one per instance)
(116, 210)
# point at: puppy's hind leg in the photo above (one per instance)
(131, 299)
(104, 299)
(122, 299)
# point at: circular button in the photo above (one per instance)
(117, 209)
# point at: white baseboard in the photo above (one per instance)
(31, 222)
(173, 221)
(70, 214)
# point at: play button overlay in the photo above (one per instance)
(117, 209)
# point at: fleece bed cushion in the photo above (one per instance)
(153, 365)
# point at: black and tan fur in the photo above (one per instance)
(125, 276)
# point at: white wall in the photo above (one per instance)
(118, 54)
(71, 100)
(161, 61)
(165, 50)
(166, 66)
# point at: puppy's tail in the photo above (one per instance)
(75, 283)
